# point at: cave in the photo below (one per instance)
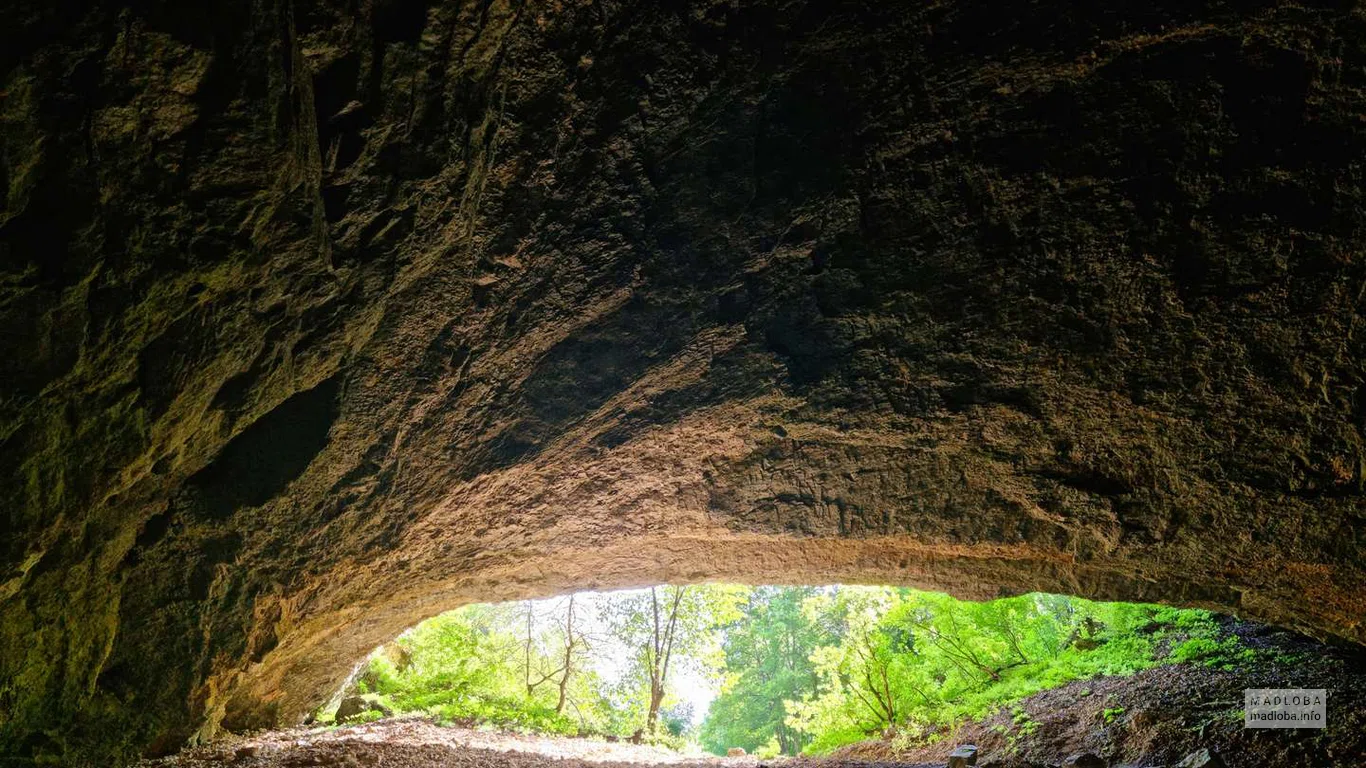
(322, 318)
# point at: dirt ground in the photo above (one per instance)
(417, 743)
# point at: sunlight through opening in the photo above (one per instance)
(725, 669)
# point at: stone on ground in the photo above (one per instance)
(352, 707)
(964, 756)
(1202, 758)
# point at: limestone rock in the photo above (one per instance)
(1085, 760)
(1202, 758)
(352, 707)
(321, 318)
(963, 756)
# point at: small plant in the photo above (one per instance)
(1022, 727)
(1225, 653)
(1286, 657)
(1110, 714)
(1024, 722)
(1012, 738)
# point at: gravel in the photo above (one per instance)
(417, 743)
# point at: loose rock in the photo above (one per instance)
(964, 756)
(1202, 758)
(354, 706)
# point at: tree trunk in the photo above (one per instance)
(530, 688)
(661, 651)
(568, 655)
(656, 698)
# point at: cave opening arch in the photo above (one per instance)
(311, 669)
(323, 317)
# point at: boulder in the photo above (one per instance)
(963, 757)
(1202, 758)
(1085, 760)
(352, 707)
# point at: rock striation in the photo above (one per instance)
(321, 317)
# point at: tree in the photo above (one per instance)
(672, 624)
(768, 660)
(661, 649)
(572, 643)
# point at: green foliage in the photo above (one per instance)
(1195, 649)
(769, 750)
(796, 669)
(533, 666)
(664, 628)
(677, 720)
(1225, 652)
(469, 666)
(1022, 725)
(369, 716)
(1023, 721)
(913, 664)
(1195, 638)
(768, 658)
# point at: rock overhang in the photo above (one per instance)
(328, 320)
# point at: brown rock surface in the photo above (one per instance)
(411, 743)
(321, 318)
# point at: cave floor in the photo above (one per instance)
(417, 743)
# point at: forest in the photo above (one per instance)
(772, 670)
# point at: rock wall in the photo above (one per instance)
(322, 317)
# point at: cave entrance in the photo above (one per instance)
(689, 672)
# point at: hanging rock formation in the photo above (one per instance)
(321, 317)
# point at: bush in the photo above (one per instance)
(940, 662)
